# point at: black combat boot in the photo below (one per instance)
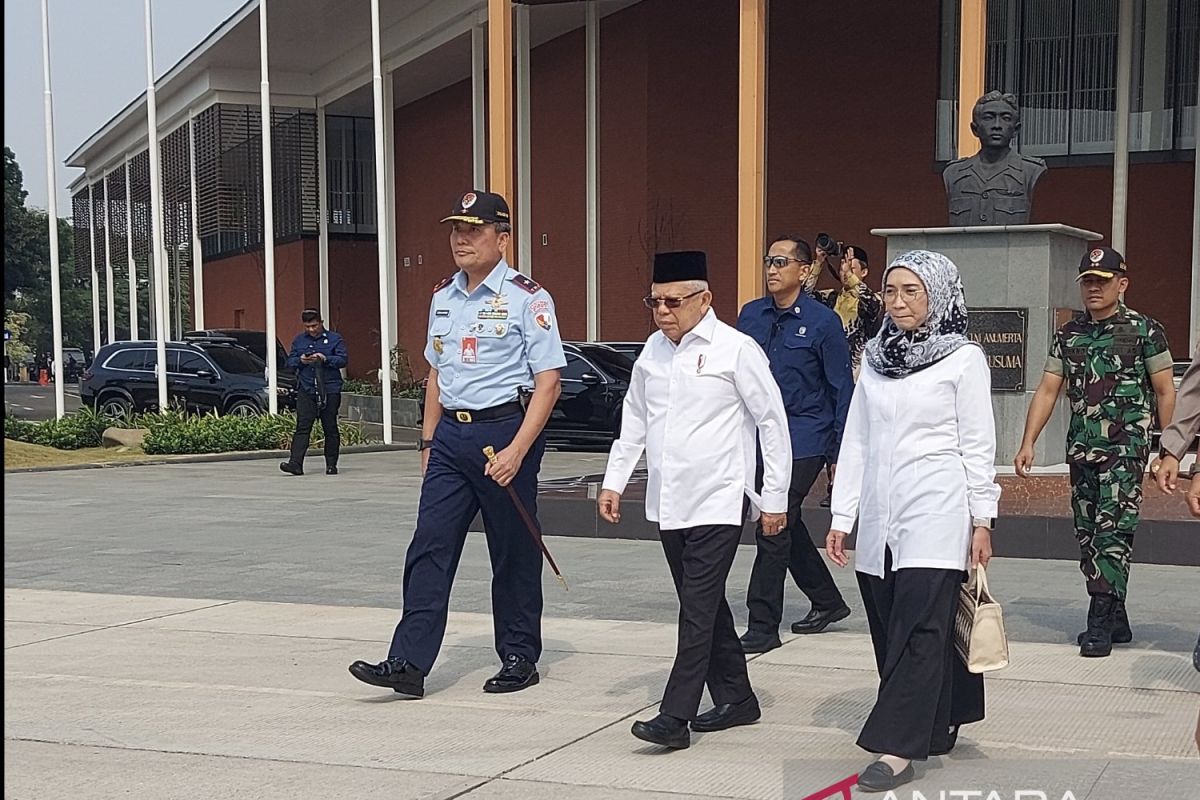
(1121, 632)
(1098, 641)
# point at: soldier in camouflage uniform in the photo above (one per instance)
(1117, 369)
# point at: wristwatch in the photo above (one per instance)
(983, 522)
(424, 444)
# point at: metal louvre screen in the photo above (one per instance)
(175, 154)
(229, 176)
(350, 173)
(115, 181)
(81, 226)
(140, 217)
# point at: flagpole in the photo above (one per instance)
(268, 213)
(156, 217)
(52, 220)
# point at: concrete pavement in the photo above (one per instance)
(184, 631)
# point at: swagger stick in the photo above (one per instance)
(490, 453)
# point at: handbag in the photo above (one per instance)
(979, 626)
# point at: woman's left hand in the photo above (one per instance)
(981, 547)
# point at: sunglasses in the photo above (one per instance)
(651, 302)
(779, 262)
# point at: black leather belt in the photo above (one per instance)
(484, 414)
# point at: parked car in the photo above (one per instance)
(202, 376)
(630, 349)
(594, 383)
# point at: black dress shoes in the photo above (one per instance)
(516, 674)
(291, 469)
(395, 673)
(759, 641)
(817, 621)
(331, 470)
(878, 777)
(728, 715)
(664, 730)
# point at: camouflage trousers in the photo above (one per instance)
(1106, 503)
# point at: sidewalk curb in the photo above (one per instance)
(204, 458)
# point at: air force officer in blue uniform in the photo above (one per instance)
(494, 354)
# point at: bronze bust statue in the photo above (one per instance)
(994, 186)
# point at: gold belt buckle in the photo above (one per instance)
(463, 416)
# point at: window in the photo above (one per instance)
(187, 363)
(1059, 58)
(235, 360)
(132, 360)
(615, 364)
(350, 173)
(575, 368)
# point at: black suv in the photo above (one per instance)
(202, 376)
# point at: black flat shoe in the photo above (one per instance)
(878, 777)
(664, 730)
(291, 469)
(516, 674)
(816, 621)
(395, 673)
(759, 641)
(331, 470)
(728, 715)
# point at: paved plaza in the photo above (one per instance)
(183, 631)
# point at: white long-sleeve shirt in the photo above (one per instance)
(694, 408)
(917, 463)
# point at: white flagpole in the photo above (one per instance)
(52, 219)
(133, 287)
(385, 323)
(197, 257)
(268, 213)
(156, 218)
(109, 277)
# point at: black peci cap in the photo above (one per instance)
(682, 265)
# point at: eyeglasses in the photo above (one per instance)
(651, 302)
(779, 262)
(909, 293)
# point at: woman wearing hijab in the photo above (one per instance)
(916, 469)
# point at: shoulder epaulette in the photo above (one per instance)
(442, 284)
(1041, 162)
(526, 283)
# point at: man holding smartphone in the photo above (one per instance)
(318, 356)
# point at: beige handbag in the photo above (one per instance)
(979, 626)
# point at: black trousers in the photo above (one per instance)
(708, 649)
(306, 414)
(790, 550)
(924, 687)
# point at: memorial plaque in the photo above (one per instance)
(1002, 334)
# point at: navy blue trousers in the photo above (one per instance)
(454, 489)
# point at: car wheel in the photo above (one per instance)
(115, 406)
(244, 408)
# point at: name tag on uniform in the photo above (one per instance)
(469, 350)
(442, 312)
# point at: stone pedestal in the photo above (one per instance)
(1017, 268)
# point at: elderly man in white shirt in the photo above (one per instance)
(916, 469)
(699, 392)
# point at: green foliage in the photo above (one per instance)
(174, 432)
(84, 428)
(356, 386)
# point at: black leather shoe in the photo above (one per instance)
(878, 777)
(664, 730)
(291, 469)
(816, 621)
(759, 641)
(331, 470)
(395, 673)
(827, 501)
(1121, 632)
(728, 715)
(516, 674)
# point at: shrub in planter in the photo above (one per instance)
(175, 433)
(84, 428)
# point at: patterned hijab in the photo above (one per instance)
(896, 353)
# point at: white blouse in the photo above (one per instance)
(695, 408)
(917, 463)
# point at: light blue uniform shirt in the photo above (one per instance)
(487, 345)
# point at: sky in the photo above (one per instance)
(97, 66)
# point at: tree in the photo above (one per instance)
(27, 269)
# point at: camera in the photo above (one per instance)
(832, 248)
